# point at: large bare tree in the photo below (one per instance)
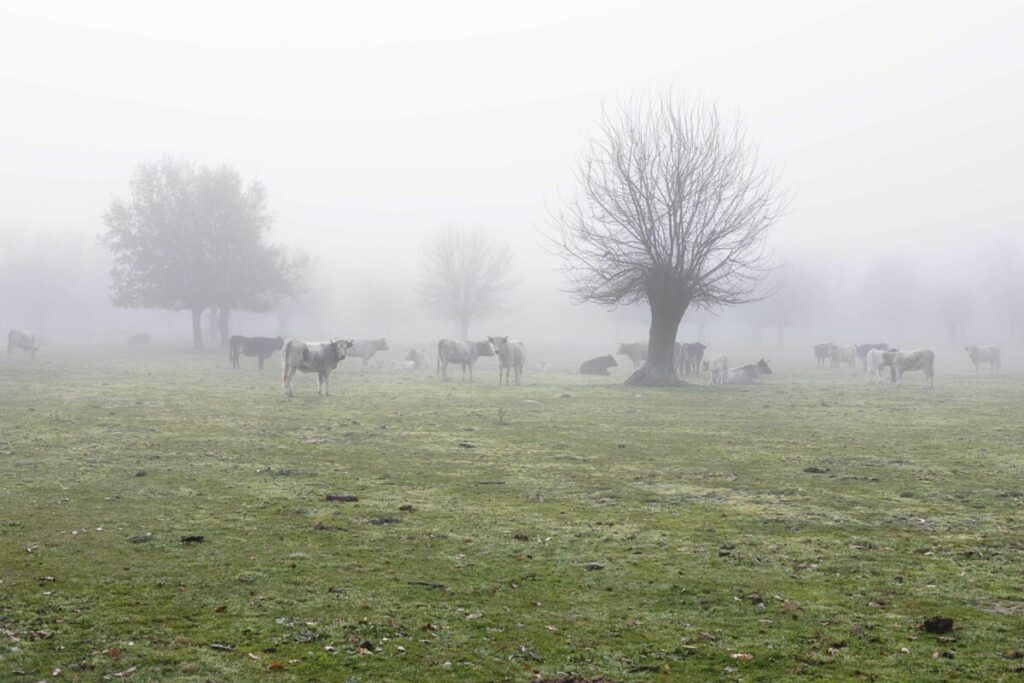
(465, 275)
(673, 208)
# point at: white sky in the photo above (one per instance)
(373, 122)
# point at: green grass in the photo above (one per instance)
(713, 538)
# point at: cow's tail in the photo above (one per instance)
(439, 356)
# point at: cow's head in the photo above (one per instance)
(610, 361)
(889, 357)
(381, 344)
(762, 366)
(700, 347)
(483, 348)
(498, 342)
(341, 346)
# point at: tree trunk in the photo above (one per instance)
(659, 369)
(197, 329)
(222, 326)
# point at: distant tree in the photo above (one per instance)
(1006, 270)
(790, 294)
(190, 237)
(465, 275)
(953, 306)
(673, 208)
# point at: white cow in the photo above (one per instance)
(22, 339)
(985, 354)
(719, 369)
(875, 360)
(844, 353)
(366, 348)
(749, 373)
(511, 356)
(901, 361)
(464, 353)
(318, 357)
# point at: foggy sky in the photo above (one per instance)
(896, 125)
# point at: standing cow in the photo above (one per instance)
(719, 368)
(366, 348)
(463, 353)
(24, 340)
(823, 352)
(902, 361)
(862, 351)
(598, 366)
(844, 353)
(750, 373)
(689, 357)
(318, 357)
(261, 347)
(636, 351)
(511, 356)
(875, 361)
(985, 354)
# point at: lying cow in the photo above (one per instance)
(823, 352)
(24, 340)
(261, 347)
(689, 357)
(637, 352)
(366, 348)
(985, 354)
(598, 366)
(418, 358)
(862, 351)
(902, 361)
(511, 357)
(463, 353)
(750, 373)
(719, 369)
(874, 361)
(844, 353)
(318, 357)
(138, 341)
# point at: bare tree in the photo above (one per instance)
(465, 275)
(673, 208)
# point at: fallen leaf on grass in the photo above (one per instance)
(275, 666)
(221, 647)
(253, 656)
(473, 615)
(742, 656)
(122, 674)
(221, 608)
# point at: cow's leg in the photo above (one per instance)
(327, 382)
(286, 379)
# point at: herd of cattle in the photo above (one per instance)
(323, 357)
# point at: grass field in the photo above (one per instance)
(568, 529)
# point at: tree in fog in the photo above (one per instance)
(1006, 269)
(673, 208)
(190, 237)
(790, 295)
(953, 306)
(465, 275)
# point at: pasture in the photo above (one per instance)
(568, 529)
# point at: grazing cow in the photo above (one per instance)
(418, 358)
(511, 356)
(862, 351)
(598, 366)
(366, 348)
(875, 361)
(689, 357)
(636, 351)
(750, 373)
(901, 361)
(464, 353)
(318, 357)
(24, 340)
(985, 354)
(138, 341)
(823, 352)
(261, 347)
(844, 353)
(720, 369)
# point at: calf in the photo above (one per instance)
(418, 358)
(511, 356)
(261, 347)
(750, 373)
(366, 348)
(862, 351)
(637, 352)
(720, 369)
(985, 354)
(24, 340)
(902, 361)
(464, 353)
(318, 357)
(598, 366)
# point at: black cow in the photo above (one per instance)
(261, 347)
(598, 366)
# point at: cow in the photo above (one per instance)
(823, 352)
(875, 361)
(985, 354)
(901, 361)
(407, 365)
(750, 373)
(261, 347)
(844, 353)
(719, 368)
(511, 356)
(318, 357)
(418, 358)
(598, 366)
(862, 351)
(138, 341)
(366, 348)
(689, 357)
(464, 353)
(24, 340)
(636, 351)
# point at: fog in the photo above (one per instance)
(895, 129)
